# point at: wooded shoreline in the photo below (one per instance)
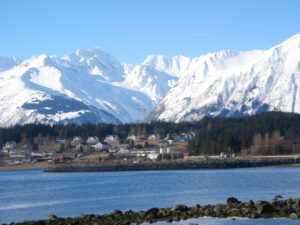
(176, 165)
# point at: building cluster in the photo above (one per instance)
(24, 153)
(153, 147)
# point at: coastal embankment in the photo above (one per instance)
(176, 165)
(289, 208)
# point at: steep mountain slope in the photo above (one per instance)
(22, 100)
(84, 86)
(229, 83)
(145, 79)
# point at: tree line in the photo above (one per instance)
(265, 133)
(31, 131)
(215, 135)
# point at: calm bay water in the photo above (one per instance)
(32, 194)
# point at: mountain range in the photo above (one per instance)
(230, 84)
(92, 86)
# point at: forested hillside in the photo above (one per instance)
(266, 133)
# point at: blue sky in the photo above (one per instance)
(132, 29)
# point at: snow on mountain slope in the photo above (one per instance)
(153, 83)
(23, 101)
(229, 83)
(92, 86)
(84, 86)
(176, 66)
(96, 62)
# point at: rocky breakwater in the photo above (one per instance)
(289, 208)
(176, 165)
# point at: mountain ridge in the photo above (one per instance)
(235, 86)
(224, 83)
(120, 92)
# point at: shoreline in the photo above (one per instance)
(289, 208)
(46, 166)
(39, 166)
(184, 165)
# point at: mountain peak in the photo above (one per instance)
(88, 54)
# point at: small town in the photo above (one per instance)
(149, 112)
(133, 149)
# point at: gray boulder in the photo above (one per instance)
(265, 209)
(232, 200)
(179, 208)
(152, 213)
(116, 211)
(127, 212)
(294, 216)
(52, 217)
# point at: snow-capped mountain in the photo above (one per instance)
(84, 86)
(92, 86)
(230, 83)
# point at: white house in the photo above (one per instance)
(101, 146)
(76, 140)
(154, 137)
(112, 138)
(10, 145)
(92, 140)
(134, 137)
(152, 155)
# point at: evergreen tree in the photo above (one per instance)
(62, 148)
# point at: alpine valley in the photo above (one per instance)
(92, 86)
